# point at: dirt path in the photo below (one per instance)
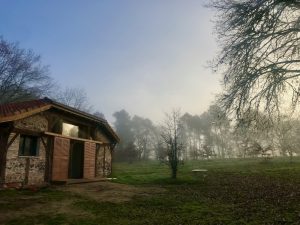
(111, 192)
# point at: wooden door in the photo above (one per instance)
(60, 167)
(89, 160)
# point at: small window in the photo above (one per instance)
(28, 146)
(70, 130)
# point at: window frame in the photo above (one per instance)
(34, 146)
(67, 123)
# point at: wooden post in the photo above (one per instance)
(49, 157)
(103, 167)
(27, 170)
(111, 148)
(96, 159)
(4, 136)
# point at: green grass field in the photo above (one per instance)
(237, 192)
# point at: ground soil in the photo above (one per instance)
(104, 191)
(110, 192)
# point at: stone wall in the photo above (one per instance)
(101, 136)
(16, 165)
(34, 123)
(100, 162)
(103, 167)
(108, 162)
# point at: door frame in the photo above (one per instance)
(72, 143)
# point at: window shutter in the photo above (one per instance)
(89, 160)
(60, 168)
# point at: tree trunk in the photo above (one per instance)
(174, 173)
(174, 169)
(291, 156)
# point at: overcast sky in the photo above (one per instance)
(144, 56)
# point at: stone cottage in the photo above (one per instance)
(43, 141)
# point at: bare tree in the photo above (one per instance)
(99, 114)
(143, 130)
(22, 76)
(74, 97)
(287, 131)
(260, 53)
(254, 134)
(193, 135)
(171, 132)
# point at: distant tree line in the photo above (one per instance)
(208, 135)
(138, 137)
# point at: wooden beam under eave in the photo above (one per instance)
(73, 138)
(25, 114)
(28, 132)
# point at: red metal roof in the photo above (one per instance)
(11, 109)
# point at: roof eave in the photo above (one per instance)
(24, 114)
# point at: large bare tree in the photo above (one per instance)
(22, 75)
(260, 53)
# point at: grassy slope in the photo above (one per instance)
(233, 192)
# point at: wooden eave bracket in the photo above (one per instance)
(12, 140)
(44, 143)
